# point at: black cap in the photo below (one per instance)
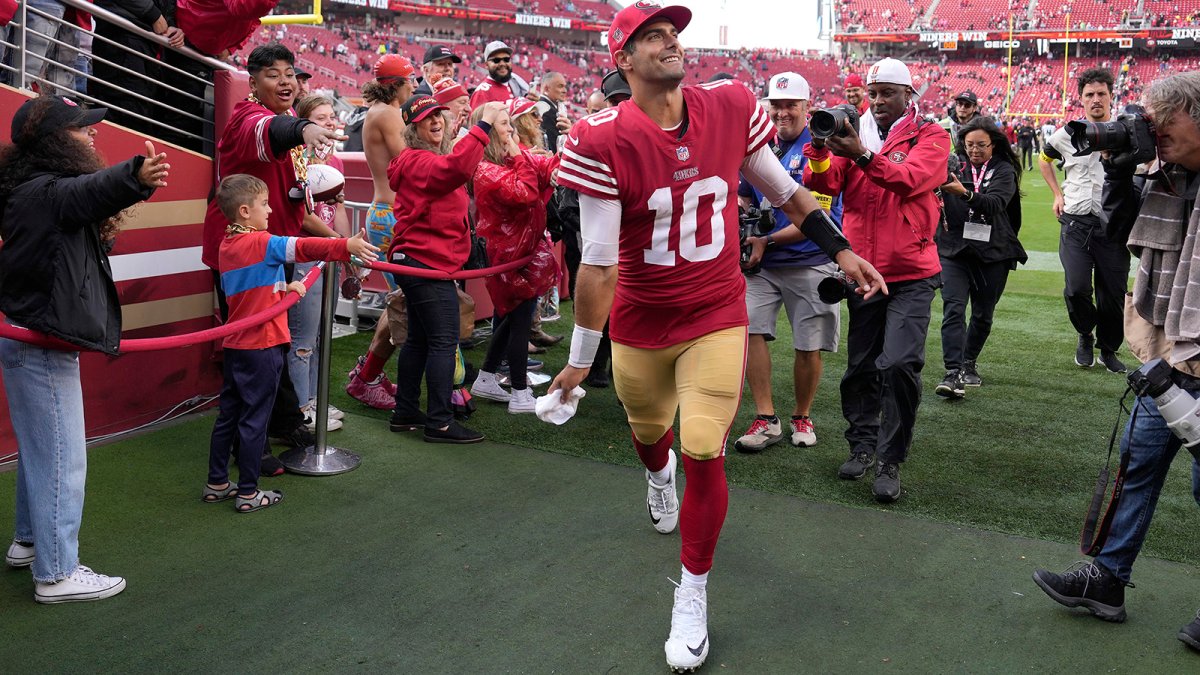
(301, 74)
(419, 107)
(438, 52)
(968, 96)
(614, 85)
(62, 113)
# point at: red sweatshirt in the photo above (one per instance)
(891, 211)
(212, 26)
(431, 202)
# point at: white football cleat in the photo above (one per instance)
(687, 646)
(661, 500)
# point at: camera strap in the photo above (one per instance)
(1090, 541)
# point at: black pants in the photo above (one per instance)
(251, 378)
(430, 348)
(982, 283)
(510, 340)
(885, 355)
(144, 63)
(1027, 157)
(285, 410)
(573, 254)
(1085, 253)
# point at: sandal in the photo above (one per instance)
(213, 495)
(259, 500)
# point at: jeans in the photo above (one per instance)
(304, 323)
(430, 349)
(510, 340)
(885, 352)
(1085, 252)
(1151, 447)
(983, 283)
(38, 48)
(45, 403)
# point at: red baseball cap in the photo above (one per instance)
(446, 90)
(853, 81)
(393, 66)
(630, 20)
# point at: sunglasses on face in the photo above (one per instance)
(501, 59)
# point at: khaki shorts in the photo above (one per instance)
(815, 324)
(702, 378)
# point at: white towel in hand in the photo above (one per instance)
(550, 408)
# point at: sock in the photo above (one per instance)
(655, 457)
(372, 367)
(799, 417)
(689, 580)
(770, 418)
(705, 502)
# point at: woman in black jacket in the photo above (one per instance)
(978, 246)
(59, 213)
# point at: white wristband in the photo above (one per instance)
(584, 343)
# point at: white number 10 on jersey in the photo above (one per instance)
(663, 206)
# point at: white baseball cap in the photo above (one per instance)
(791, 86)
(496, 46)
(890, 71)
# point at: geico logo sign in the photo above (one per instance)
(1185, 34)
(1001, 44)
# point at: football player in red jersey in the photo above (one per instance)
(657, 177)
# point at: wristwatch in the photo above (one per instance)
(770, 241)
(864, 159)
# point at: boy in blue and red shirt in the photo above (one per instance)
(251, 265)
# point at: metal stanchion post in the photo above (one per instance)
(322, 459)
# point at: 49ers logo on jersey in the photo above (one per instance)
(897, 157)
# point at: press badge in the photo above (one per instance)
(977, 231)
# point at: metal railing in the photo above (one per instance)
(64, 38)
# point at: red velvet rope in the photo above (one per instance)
(187, 339)
(438, 274)
(170, 341)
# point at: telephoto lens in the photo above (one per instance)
(833, 289)
(829, 122)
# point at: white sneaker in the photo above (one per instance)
(20, 555)
(487, 386)
(803, 433)
(333, 413)
(81, 586)
(310, 422)
(661, 500)
(687, 646)
(522, 401)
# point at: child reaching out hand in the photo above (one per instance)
(251, 264)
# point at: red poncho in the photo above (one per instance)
(510, 202)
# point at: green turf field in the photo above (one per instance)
(1019, 455)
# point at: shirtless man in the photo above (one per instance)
(383, 139)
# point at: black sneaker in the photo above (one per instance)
(407, 422)
(1088, 584)
(1112, 363)
(1085, 356)
(597, 378)
(1190, 634)
(856, 466)
(300, 437)
(271, 466)
(951, 386)
(455, 433)
(887, 482)
(970, 375)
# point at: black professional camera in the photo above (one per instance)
(829, 122)
(753, 222)
(833, 289)
(953, 166)
(1130, 136)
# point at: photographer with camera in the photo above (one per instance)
(887, 177)
(1083, 247)
(1162, 324)
(788, 278)
(978, 246)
